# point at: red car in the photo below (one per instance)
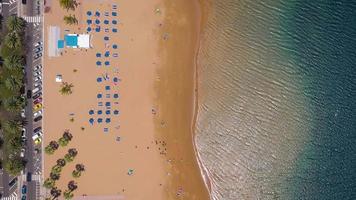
(39, 100)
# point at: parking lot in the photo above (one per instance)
(33, 109)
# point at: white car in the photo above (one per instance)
(38, 44)
(37, 84)
(38, 78)
(37, 67)
(23, 134)
(22, 154)
(38, 55)
(23, 113)
(37, 89)
(37, 135)
(38, 113)
(37, 73)
(38, 49)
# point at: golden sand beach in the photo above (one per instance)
(157, 42)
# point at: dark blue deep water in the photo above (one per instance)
(324, 35)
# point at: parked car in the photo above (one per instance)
(37, 129)
(22, 153)
(23, 115)
(37, 107)
(37, 89)
(39, 133)
(37, 118)
(37, 84)
(29, 94)
(37, 136)
(37, 73)
(13, 182)
(38, 78)
(24, 189)
(37, 68)
(37, 95)
(38, 49)
(23, 197)
(23, 134)
(38, 113)
(39, 100)
(38, 44)
(38, 140)
(38, 55)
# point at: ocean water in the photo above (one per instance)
(277, 99)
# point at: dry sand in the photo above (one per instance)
(157, 42)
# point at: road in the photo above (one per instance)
(32, 158)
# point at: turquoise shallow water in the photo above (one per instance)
(277, 108)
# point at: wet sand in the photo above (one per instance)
(156, 68)
(175, 87)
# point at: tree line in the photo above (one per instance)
(12, 89)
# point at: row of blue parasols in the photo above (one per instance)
(97, 13)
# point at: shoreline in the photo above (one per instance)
(203, 12)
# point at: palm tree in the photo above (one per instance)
(63, 142)
(54, 145)
(13, 145)
(55, 192)
(66, 88)
(72, 152)
(14, 166)
(49, 150)
(68, 195)
(15, 23)
(67, 135)
(12, 126)
(79, 167)
(51, 147)
(76, 173)
(61, 162)
(13, 40)
(12, 83)
(68, 158)
(13, 104)
(70, 19)
(56, 169)
(68, 4)
(14, 61)
(72, 185)
(48, 183)
(54, 176)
